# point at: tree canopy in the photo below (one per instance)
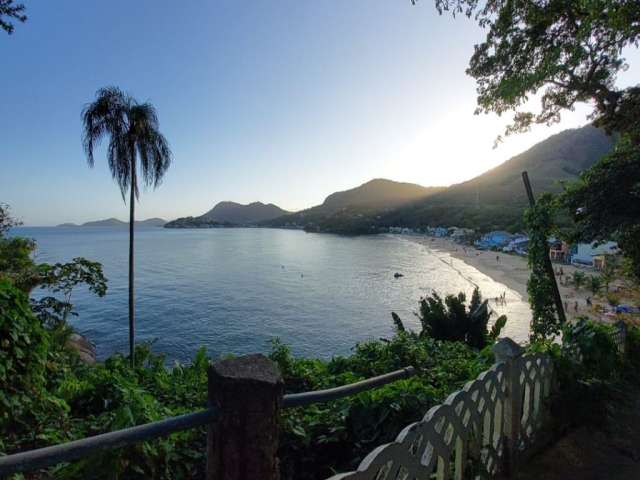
(10, 12)
(565, 51)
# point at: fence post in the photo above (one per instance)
(509, 352)
(242, 443)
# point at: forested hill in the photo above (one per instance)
(378, 193)
(347, 207)
(231, 213)
(496, 199)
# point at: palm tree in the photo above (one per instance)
(133, 133)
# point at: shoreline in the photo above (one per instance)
(513, 272)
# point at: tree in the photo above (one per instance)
(63, 278)
(16, 264)
(7, 222)
(568, 52)
(578, 278)
(605, 201)
(450, 319)
(10, 11)
(594, 283)
(545, 321)
(133, 131)
(609, 270)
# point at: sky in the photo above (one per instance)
(276, 101)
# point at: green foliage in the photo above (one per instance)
(613, 299)
(539, 220)
(450, 319)
(63, 278)
(16, 264)
(567, 52)
(7, 222)
(578, 278)
(23, 363)
(323, 438)
(594, 282)
(10, 12)
(605, 202)
(589, 371)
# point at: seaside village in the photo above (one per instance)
(585, 272)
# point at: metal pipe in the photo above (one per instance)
(320, 396)
(65, 452)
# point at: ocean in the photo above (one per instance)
(235, 290)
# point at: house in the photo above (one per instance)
(559, 251)
(495, 239)
(590, 254)
(519, 244)
(440, 232)
(460, 234)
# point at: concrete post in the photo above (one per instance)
(509, 352)
(242, 443)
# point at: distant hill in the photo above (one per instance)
(347, 207)
(377, 194)
(231, 214)
(114, 222)
(496, 199)
(491, 201)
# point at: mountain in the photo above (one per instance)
(348, 207)
(493, 200)
(231, 214)
(114, 222)
(151, 222)
(108, 222)
(377, 194)
(496, 199)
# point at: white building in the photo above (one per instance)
(584, 252)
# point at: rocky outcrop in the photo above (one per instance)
(86, 350)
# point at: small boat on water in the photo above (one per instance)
(398, 275)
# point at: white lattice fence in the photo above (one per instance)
(475, 430)
(620, 335)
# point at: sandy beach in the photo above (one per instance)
(513, 271)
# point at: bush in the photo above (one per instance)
(320, 438)
(23, 364)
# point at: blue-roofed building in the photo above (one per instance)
(495, 239)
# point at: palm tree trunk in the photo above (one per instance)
(132, 323)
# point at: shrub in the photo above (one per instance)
(451, 320)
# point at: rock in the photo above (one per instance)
(86, 350)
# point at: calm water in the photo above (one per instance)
(234, 290)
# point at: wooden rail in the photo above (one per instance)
(66, 452)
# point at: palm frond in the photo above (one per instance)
(133, 130)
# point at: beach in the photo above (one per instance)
(512, 271)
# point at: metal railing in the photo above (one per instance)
(66, 452)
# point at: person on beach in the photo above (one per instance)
(497, 258)
(575, 306)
